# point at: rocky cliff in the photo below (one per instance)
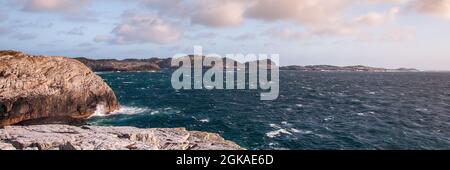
(38, 89)
(64, 137)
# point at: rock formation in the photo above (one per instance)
(65, 137)
(38, 89)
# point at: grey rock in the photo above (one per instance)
(66, 137)
(6, 146)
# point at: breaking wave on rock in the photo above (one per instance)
(124, 110)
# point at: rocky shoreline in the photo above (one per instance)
(66, 137)
(157, 64)
(52, 94)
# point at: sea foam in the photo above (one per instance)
(124, 110)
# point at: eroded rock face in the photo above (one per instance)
(41, 89)
(66, 137)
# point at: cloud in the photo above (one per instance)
(71, 10)
(225, 13)
(217, 13)
(306, 12)
(399, 34)
(318, 16)
(321, 17)
(388, 1)
(377, 18)
(139, 28)
(439, 8)
(24, 36)
(352, 28)
(64, 6)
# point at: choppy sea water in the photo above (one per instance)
(314, 111)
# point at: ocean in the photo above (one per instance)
(315, 110)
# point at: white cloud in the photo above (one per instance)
(223, 13)
(323, 17)
(217, 13)
(139, 28)
(440, 8)
(71, 10)
(320, 17)
(306, 12)
(389, 1)
(65, 6)
(377, 18)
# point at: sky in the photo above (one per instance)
(379, 33)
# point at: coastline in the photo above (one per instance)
(158, 64)
(49, 95)
(67, 137)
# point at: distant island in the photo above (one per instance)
(357, 68)
(156, 64)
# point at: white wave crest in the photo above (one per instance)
(124, 110)
(129, 110)
(278, 132)
(285, 128)
(204, 120)
(99, 111)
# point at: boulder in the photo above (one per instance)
(41, 89)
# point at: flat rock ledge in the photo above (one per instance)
(66, 137)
